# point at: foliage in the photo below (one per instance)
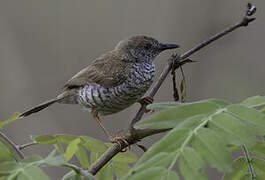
(204, 133)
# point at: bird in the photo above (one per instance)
(113, 81)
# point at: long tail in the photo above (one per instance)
(46, 104)
(38, 108)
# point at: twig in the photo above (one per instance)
(250, 166)
(12, 145)
(80, 171)
(23, 146)
(132, 135)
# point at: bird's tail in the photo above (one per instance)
(46, 104)
(38, 108)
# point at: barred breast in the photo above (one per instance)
(111, 100)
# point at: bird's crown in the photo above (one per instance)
(143, 47)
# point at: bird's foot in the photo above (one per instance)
(146, 100)
(119, 139)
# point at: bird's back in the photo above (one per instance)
(108, 70)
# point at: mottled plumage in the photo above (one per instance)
(108, 100)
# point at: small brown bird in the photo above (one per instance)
(114, 81)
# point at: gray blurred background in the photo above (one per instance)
(44, 43)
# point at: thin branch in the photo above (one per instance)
(132, 135)
(250, 166)
(12, 145)
(80, 171)
(23, 146)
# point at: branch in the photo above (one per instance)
(116, 148)
(133, 135)
(11, 145)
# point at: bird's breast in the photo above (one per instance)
(114, 99)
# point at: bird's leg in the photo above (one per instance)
(116, 139)
(146, 100)
(95, 116)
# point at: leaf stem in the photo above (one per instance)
(188, 139)
(23, 146)
(248, 159)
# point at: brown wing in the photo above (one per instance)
(108, 70)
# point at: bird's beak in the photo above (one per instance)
(168, 46)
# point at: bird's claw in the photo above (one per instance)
(146, 100)
(119, 140)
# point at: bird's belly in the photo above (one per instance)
(114, 99)
(111, 100)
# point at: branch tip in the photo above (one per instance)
(251, 9)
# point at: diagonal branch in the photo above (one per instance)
(12, 146)
(134, 135)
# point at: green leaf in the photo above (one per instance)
(50, 160)
(14, 117)
(254, 101)
(155, 173)
(212, 149)
(159, 160)
(252, 117)
(232, 130)
(94, 156)
(127, 157)
(32, 159)
(45, 139)
(170, 175)
(71, 149)
(192, 122)
(8, 167)
(248, 177)
(59, 147)
(92, 144)
(170, 118)
(120, 168)
(32, 173)
(3, 177)
(220, 102)
(81, 155)
(233, 148)
(239, 170)
(69, 176)
(169, 143)
(259, 167)
(5, 154)
(259, 149)
(191, 165)
(65, 139)
(163, 105)
(105, 173)
(54, 160)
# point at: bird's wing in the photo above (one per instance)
(108, 71)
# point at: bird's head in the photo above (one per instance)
(143, 48)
